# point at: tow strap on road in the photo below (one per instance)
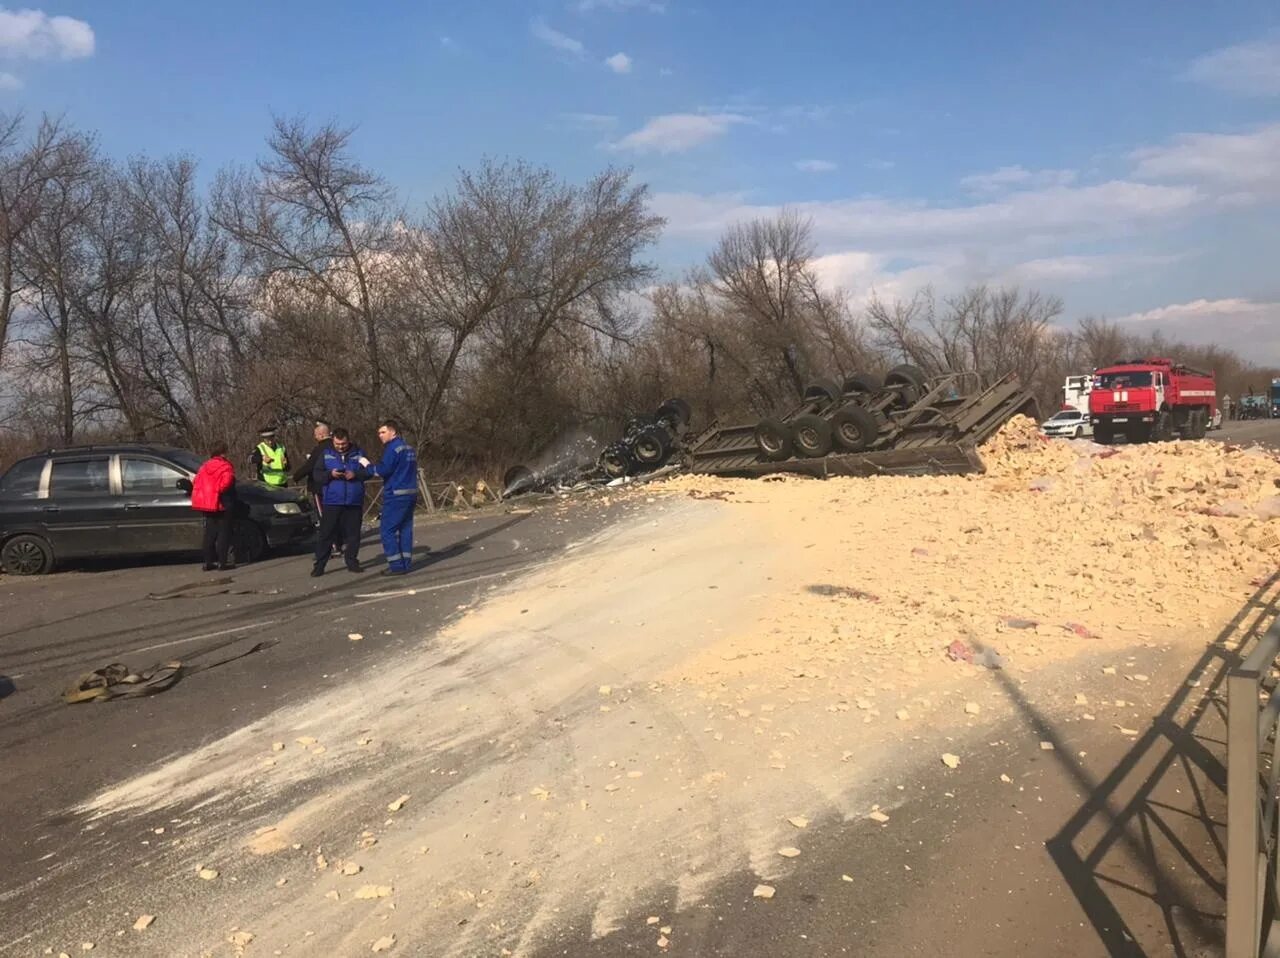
(115, 681)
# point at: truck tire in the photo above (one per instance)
(862, 384)
(651, 446)
(811, 435)
(616, 462)
(823, 390)
(1103, 436)
(773, 439)
(677, 412)
(1202, 424)
(853, 428)
(26, 555)
(911, 382)
(516, 479)
(1162, 428)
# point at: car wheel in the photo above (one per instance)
(1079, 432)
(248, 544)
(26, 555)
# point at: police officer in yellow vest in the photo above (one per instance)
(269, 459)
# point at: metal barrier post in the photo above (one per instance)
(1248, 849)
(1244, 871)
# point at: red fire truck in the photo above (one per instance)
(1149, 400)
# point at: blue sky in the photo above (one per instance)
(1125, 156)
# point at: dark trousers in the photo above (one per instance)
(217, 537)
(339, 525)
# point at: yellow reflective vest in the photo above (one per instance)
(273, 471)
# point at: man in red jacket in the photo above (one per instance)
(213, 493)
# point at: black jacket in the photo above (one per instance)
(305, 471)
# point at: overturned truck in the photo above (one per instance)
(906, 424)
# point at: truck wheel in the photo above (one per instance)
(853, 428)
(1103, 436)
(26, 555)
(822, 390)
(677, 412)
(247, 541)
(862, 384)
(516, 479)
(1202, 424)
(773, 439)
(811, 435)
(910, 381)
(652, 446)
(1162, 428)
(616, 461)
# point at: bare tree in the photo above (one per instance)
(314, 217)
(50, 260)
(25, 172)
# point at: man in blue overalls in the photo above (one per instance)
(399, 473)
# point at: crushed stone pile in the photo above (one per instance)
(1057, 544)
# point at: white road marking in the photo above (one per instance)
(374, 596)
(206, 635)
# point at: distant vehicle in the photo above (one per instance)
(1151, 400)
(1275, 398)
(1075, 393)
(128, 500)
(1067, 424)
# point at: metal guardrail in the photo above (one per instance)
(1253, 883)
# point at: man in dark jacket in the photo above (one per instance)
(340, 479)
(324, 440)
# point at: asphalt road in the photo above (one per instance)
(57, 627)
(1265, 432)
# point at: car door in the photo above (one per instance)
(80, 511)
(21, 497)
(156, 515)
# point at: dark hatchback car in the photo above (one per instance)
(127, 500)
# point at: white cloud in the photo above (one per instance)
(10, 82)
(619, 63)
(815, 166)
(1114, 207)
(1016, 177)
(619, 6)
(678, 132)
(1232, 160)
(35, 35)
(1249, 68)
(1203, 311)
(1250, 327)
(555, 39)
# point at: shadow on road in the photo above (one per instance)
(1153, 831)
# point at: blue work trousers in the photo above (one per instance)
(397, 531)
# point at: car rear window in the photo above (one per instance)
(22, 481)
(79, 477)
(147, 477)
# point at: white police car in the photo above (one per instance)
(1067, 424)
